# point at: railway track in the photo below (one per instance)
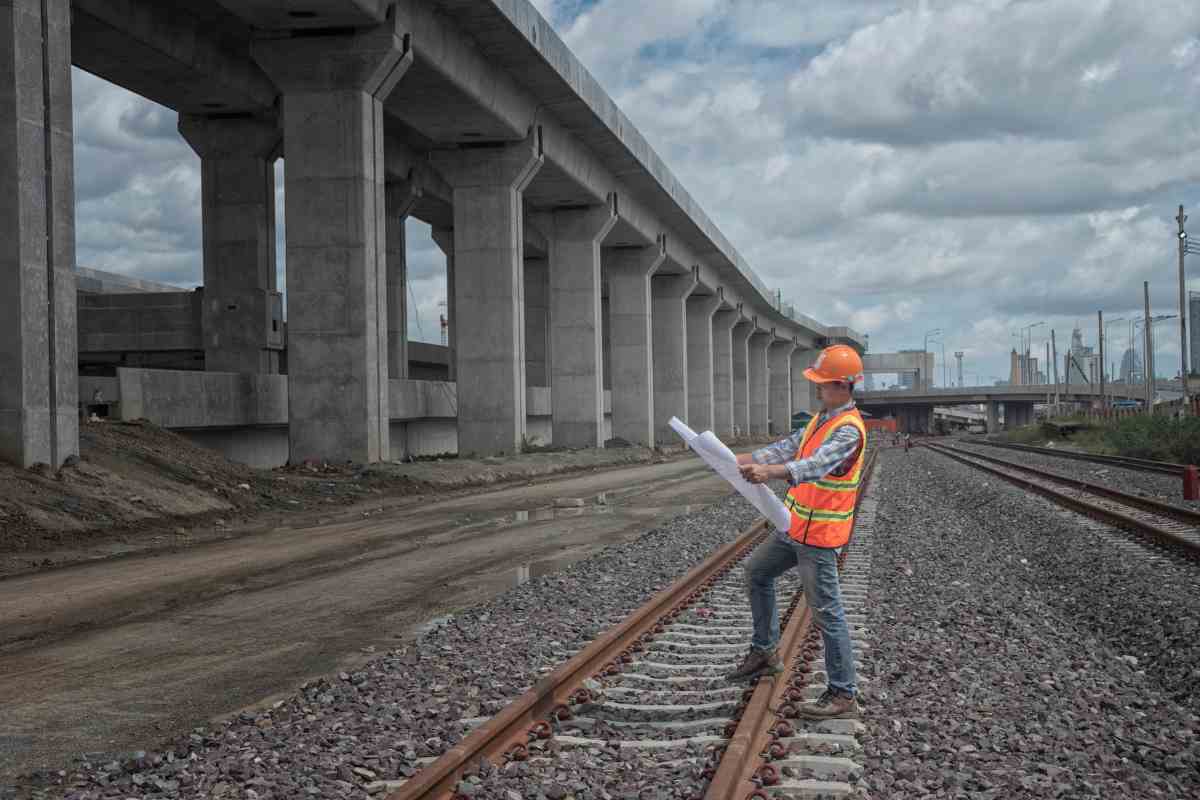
(1139, 464)
(1175, 528)
(652, 688)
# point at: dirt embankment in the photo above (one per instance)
(137, 487)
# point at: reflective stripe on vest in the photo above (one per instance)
(823, 510)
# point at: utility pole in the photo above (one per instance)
(1100, 323)
(1183, 356)
(1149, 359)
(1047, 379)
(1054, 359)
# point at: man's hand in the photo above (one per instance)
(755, 473)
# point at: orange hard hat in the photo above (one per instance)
(839, 362)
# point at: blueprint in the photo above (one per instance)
(724, 463)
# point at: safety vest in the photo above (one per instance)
(823, 510)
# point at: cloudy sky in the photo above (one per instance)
(973, 166)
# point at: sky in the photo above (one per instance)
(974, 166)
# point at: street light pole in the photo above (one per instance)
(925, 357)
(1149, 359)
(1183, 355)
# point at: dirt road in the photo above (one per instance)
(119, 655)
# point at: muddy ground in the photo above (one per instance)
(137, 488)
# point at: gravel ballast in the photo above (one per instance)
(1019, 653)
(349, 735)
(1165, 488)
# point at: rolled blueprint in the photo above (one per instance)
(723, 461)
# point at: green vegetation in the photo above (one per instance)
(1157, 438)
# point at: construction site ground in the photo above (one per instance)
(155, 586)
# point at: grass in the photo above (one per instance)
(1157, 438)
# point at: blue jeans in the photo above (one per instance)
(819, 573)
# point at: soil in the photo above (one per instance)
(138, 488)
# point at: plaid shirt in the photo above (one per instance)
(833, 453)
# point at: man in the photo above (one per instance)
(823, 464)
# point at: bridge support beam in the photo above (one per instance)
(38, 336)
(336, 247)
(669, 294)
(537, 322)
(237, 188)
(741, 376)
(488, 292)
(993, 416)
(803, 392)
(576, 324)
(780, 357)
(700, 361)
(631, 334)
(760, 382)
(724, 321)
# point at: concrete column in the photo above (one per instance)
(333, 91)
(576, 324)
(724, 321)
(700, 360)
(741, 376)
(628, 272)
(993, 416)
(537, 322)
(400, 196)
(780, 358)
(759, 382)
(38, 337)
(444, 239)
(237, 180)
(489, 288)
(669, 297)
(803, 395)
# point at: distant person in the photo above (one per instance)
(823, 463)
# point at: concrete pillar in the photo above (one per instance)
(780, 358)
(400, 197)
(741, 376)
(333, 92)
(628, 272)
(701, 407)
(724, 321)
(803, 393)
(237, 180)
(669, 296)
(993, 416)
(444, 239)
(759, 382)
(576, 323)
(38, 337)
(489, 287)
(537, 322)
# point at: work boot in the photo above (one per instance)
(830, 705)
(757, 662)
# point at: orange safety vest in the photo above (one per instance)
(823, 510)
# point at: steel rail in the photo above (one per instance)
(1110, 516)
(528, 717)
(1138, 464)
(744, 766)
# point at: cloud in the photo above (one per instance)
(969, 165)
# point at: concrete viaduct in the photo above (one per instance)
(471, 115)
(914, 409)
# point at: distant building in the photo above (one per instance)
(1131, 366)
(1022, 370)
(1194, 331)
(1081, 364)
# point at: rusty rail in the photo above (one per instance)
(745, 764)
(528, 717)
(1106, 515)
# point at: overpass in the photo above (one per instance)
(575, 258)
(914, 409)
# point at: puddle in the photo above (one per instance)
(536, 569)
